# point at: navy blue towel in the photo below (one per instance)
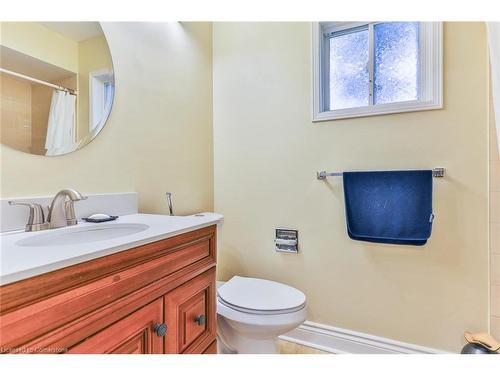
(389, 207)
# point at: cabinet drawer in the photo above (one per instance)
(133, 334)
(190, 315)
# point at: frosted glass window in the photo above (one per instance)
(396, 62)
(349, 75)
(374, 68)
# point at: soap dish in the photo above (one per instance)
(103, 220)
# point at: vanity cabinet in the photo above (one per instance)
(155, 298)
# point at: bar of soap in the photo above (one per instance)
(99, 217)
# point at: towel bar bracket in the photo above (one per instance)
(436, 172)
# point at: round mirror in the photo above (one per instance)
(57, 85)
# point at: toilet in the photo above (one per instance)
(252, 313)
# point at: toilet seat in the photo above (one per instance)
(260, 320)
(260, 297)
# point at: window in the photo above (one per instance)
(365, 69)
(101, 94)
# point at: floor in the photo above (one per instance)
(287, 347)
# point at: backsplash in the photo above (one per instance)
(15, 217)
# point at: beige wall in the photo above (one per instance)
(159, 135)
(267, 152)
(494, 226)
(36, 40)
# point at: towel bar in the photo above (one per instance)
(436, 172)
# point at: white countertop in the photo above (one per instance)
(21, 262)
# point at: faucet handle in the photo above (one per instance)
(69, 210)
(36, 219)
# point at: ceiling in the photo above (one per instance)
(77, 31)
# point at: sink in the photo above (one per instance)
(83, 234)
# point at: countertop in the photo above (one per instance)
(21, 262)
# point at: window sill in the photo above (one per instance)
(382, 109)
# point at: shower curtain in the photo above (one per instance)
(61, 128)
(494, 44)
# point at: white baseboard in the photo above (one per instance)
(339, 340)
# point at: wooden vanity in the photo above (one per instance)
(155, 298)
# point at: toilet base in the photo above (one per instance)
(230, 342)
(248, 346)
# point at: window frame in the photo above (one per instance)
(97, 103)
(430, 72)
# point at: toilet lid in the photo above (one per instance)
(260, 295)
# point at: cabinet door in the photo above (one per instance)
(212, 348)
(190, 315)
(137, 333)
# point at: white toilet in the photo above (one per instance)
(252, 313)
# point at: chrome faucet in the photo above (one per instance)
(61, 211)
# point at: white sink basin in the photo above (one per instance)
(28, 254)
(78, 235)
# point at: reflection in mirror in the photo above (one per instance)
(56, 84)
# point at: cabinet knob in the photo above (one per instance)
(160, 329)
(200, 320)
